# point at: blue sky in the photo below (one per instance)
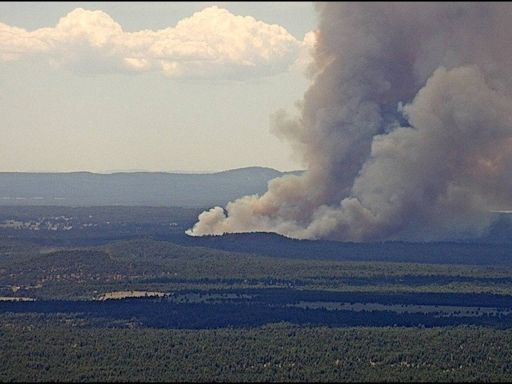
(153, 86)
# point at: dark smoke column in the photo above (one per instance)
(406, 130)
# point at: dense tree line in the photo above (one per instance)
(35, 350)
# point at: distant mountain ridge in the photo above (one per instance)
(134, 188)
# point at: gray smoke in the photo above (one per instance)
(406, 131)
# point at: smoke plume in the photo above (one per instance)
(406, 130)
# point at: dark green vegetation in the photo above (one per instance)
(64, 348)
(92, 294)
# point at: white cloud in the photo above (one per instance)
(306, 53)
(210, 43)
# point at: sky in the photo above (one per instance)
(163, 86)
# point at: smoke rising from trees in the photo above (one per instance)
(406, 130)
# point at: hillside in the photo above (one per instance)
(131, 189)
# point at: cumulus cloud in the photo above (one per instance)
(406, 130)
(210, 43)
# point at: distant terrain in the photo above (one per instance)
(131, 189)
(92, 296)
(85, 291)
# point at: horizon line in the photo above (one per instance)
(178, 171)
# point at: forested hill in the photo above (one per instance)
(134, 188)
(271, 244)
